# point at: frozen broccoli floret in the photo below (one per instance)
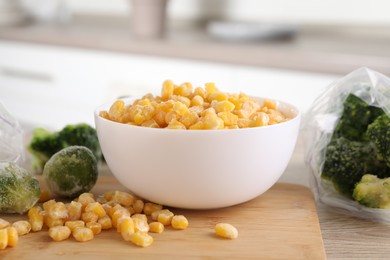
(356, 117)
(351, 154)
(347, 161)
(379, 133)
(71, 171)
(44, 144)
(19, 190)
(373, 192)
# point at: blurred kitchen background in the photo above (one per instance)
(60, 59)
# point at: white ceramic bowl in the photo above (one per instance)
(198, 169)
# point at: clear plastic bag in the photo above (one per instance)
(318, 126)
(11, 138)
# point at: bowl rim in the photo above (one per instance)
(105, 106)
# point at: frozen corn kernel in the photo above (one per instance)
(13, 236)
(118, 214)
(226, 230)
(97, 208)
(197, 101)
(223, 106)
(140, 225)
(104, 114)
(200, 92)
(150, 123)
(4, 223)
(243, 122)
(260, 119)
(150, 207)
(180, 109)
(210, 88)
(197, 109)
(74, 210)
(108, 195)
(156, 227)
(275, 116)
(52, 222)
(165, 218)
(58, 211)
(126, 228)
(48, 204)
(138, 206)
(228, 118)
(167, 90)
(83, 234)
(140, 216)
(89, 217)
(190, 119)
(116, 110)
(174, 124)
(155, 214)
(114, 209)
(197, 126)
(107, 207)
(141, 239)
(105, 222)
(85, 198)
(130, 210)
(159, 118)
(119, 221)
(179, 222)
(144, 101)
(73, 224)
(59, 233)
(3, 238)
(218, 96)
(184, 89)
(270, 104)
(35, 217)
(212, 122)
(123, 198)
(95, 227)
(184, 100)
(22, 226)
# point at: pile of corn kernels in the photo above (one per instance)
(87, 216)
(183, 107)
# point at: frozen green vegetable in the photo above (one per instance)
(44, 143)
(19, 190)
(356, 117)
(71, 171)
(379, 133)
(373, 192)
(356, 146)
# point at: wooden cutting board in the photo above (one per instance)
(280, 224)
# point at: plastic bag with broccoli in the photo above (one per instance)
(19, 190)
(347, 145)
(11, 138)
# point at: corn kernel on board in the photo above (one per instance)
(280, 224)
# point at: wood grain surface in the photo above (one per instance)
(280, 224)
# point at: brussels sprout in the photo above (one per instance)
(71, 171)
(19, 190)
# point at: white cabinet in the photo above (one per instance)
(52, 86)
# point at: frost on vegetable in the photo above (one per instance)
(19, 190)
(71, 171)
